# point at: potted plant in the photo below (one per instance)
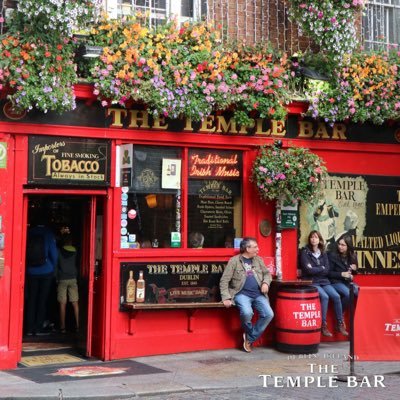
(37, 53)
(330, 23)
(187, 71)
(291, 174)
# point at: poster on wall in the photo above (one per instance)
(367, 208)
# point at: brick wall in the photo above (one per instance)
(253, 21)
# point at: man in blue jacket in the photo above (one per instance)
(40, 275)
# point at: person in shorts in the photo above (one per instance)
(66, 275)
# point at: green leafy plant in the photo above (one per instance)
(291, 174)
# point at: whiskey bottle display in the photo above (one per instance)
(140, 288)
(130, 289)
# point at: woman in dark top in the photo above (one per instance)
(343, 265)
(315, 266)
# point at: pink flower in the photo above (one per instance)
(318, 170)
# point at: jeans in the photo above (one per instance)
(328, 292)
(38, 288)
(265, 315)
(344, 291)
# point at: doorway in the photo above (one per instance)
(69, 217)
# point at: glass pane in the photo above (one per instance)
(187, 8)
(150, 210)
(215, 198)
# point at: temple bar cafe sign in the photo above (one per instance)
(180, 282)
(68, 161)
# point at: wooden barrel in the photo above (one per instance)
(297, 319)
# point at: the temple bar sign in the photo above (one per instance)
(68, 161)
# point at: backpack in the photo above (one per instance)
(36, 250)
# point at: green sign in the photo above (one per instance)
(289, 216)
(3, 155)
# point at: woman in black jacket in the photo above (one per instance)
(315, 266)
(343, 265)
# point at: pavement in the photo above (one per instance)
(230, 374)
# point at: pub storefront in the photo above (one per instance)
(159, 206)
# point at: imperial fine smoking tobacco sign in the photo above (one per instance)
(64, 160)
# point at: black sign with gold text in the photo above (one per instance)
(180, 282)
(56, 160)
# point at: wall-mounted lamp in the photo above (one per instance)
(151, 200)
(91, 51)
(300, 68)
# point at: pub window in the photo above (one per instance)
(150, 200)
(381, 29)
(158, 10)
(215, 200)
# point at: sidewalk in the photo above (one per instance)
(222, 374)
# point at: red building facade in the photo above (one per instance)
(75, 166)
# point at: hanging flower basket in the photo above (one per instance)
(291, 174)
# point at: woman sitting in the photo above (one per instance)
(315, 266)
(343, 265)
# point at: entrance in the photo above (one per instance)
(76, 223)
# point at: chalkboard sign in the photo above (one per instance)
(180, 282)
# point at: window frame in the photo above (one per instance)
(121, 8)
(184, 193)
(378, 34)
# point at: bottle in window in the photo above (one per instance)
(130, 289)
(140, 288)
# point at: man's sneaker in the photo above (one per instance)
(246, 344)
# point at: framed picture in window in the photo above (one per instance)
(171, 173)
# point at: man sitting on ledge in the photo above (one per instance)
(245, 283)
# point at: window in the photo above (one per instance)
(381, 24)
(151, 199)
(215, 202)
(150, 206)
(158, 10)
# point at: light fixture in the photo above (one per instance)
(302, 70)
(151, 200)
(91, 51)
(87, 51)
(312, 74)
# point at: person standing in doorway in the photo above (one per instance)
(245, 283)
(41, 260)
(66, 275)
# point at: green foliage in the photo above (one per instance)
(293, 174)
